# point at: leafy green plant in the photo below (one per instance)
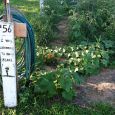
(55, 9)
(94, 5)
(59, 82)
(43, 28)
(85, 58)
(90, 21)
(89, 60)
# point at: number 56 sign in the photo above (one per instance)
(5, 28)
(8, 63)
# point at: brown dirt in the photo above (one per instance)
(62, 33)
(100, 88)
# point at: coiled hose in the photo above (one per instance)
(25, 47)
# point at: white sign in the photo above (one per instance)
(8, 63)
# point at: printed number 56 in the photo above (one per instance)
(6, 29)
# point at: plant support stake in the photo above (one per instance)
(41, 5)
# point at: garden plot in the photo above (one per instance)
(98, 88)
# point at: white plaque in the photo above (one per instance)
(8, 63)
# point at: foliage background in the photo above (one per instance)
(73, 62)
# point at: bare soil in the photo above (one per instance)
(99, 88)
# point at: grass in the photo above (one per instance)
(30, 105)
(41, 107)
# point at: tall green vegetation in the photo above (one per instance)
(91, 20)
(52, 12)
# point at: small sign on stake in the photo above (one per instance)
(8, 63)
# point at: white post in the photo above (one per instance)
(8, 63)
(41, 5)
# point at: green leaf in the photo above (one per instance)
(108, 43)
(77, 78)
(37, 89)
(104, 62)
(68, 95)
(51, 89)
(66, 83)
(43, 83)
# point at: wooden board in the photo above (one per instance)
(20, 30)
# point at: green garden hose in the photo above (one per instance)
(25, 48)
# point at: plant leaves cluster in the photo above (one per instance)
(91, 19)
(86, 58)
(71, 62)
(55, 83)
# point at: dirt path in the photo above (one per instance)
(62, 34)
(100, 88)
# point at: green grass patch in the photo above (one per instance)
(41, 107)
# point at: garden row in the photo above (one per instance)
(90, 44)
